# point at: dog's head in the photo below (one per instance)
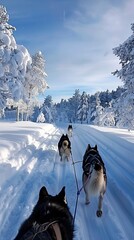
(92, 159)
(70, 127)
(48, 210)
(48, 206)
(90, 150)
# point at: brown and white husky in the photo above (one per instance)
(94, 176)
(70, 130)
(64, 147)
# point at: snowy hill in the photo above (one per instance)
(29, 159)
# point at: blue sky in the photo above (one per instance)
(76, 38)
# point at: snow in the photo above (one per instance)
(29, 159)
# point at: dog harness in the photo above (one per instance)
(92, 159)
(41, 230)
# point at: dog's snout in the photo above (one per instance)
(97, 167)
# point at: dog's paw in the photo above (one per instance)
(99, 213)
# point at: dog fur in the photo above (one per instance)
(64, 147)
(48, 211)
(94, 176)
(70, 130)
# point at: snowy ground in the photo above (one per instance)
(29, 159)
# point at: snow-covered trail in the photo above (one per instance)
(20, 192)
(118, 208)
(35, 162)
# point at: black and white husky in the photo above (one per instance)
(51, 219)
(64, 147)
(94, 176)
(70, 130)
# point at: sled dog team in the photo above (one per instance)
(51, 218)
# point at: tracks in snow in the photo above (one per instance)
(118, 197)
(39, 165)
(15, 195)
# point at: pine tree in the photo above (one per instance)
(36, 77)
(125, 52)
(13, 61)
(83, 108)
(73, 104)
(5, 50)
(41, 118)
(48, 109)
(98, 111)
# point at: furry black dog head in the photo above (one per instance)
(48, 211)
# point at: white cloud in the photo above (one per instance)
(77, 47)
(86, 57)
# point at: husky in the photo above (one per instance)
(51, 219)
(94, 176)
(70, 130)
(64, 147)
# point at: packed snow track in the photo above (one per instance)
(29, 159)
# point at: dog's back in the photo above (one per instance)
(88, 159)
(94, 176)
(63, 138)
(64, 147)
(70, 130)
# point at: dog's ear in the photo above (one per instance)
(62, 195)
(95, 147)
(43, 193)
(88, 147)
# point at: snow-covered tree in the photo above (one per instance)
(91, 109)
(83, 108)
(35, 79)
(124, 116)
(14, 60)
(21, 77)
(36, 112)
(108, 116)
(125, 52)
(73, 106)
(48, 109)
(48, 101)
(61, 109)
(35, 83)
(41, 118)
(98, 111)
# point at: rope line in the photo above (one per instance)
(77, 185)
